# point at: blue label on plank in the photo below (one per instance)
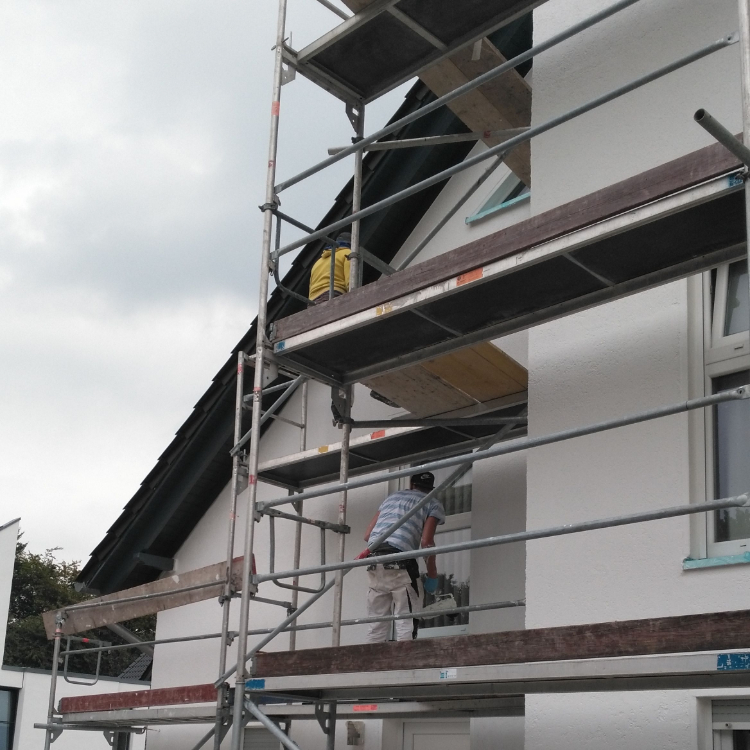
(280, 346)
(735, 179)
(255, 684)
(733, 661)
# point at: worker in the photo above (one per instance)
(320, 276)
(396, 587)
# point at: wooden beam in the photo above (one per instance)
(111, 612)
(502, 103)
(656, 183)
(661, 635)
(173, 696)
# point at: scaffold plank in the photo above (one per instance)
(502, 706)
(475, 375)
(165, 593)
(662, 672)
(171, 696)
(388, 42)
(662, 635)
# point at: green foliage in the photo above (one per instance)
(42, 583)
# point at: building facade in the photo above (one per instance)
(680, 340)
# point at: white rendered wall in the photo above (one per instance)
(8, 538)
(618, 359)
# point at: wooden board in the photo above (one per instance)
(643, 188)
(174, 696)
(661, 635)
(419, 391)
(478, 113)
(502, 103)
(474, 375)
(111, 612)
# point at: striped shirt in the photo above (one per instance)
(395, 507)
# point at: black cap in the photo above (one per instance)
(345, 238)
(423, 479)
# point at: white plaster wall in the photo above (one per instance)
(497, 573)
(497, 734)
(8, 538)
(618, 359)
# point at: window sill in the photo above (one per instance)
(495, 209)
(716, 562)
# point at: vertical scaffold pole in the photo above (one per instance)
(744, 17)
(49, 733)
(355, 279)
(298, 507)
(228, 589)
(260, 353)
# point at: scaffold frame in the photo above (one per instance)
(306, 694)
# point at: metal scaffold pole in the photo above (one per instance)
(49, 734)
(343, 478)
(744, 18)
(357, 116)
(260, 353)
(228, 588)
(298, 507)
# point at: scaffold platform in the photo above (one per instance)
(388, 447)
(677, 219)
(477, 675)
(390, 41)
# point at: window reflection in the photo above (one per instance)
(737, 315)
(732, 436)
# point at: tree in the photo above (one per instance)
(42, 583)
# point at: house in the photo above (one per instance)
(24, 691)
(618, 282)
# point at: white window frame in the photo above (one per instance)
(716, 356)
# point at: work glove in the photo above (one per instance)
(430, 585)
(362, 555)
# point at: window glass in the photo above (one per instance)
(741, 739)
(457, 498)
(453, 578)
(7, 718)
(6, 704)
(732, 436)
(737, 315)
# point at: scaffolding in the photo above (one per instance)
(495, 690)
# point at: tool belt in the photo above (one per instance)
(386, 549)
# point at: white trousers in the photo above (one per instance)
(391, 593)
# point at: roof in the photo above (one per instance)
(196, 465)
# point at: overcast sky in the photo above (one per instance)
(133, 143)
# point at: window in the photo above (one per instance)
(7, 718)
(508, 193)
(727, 428)
(730, 721)
(453, 568)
